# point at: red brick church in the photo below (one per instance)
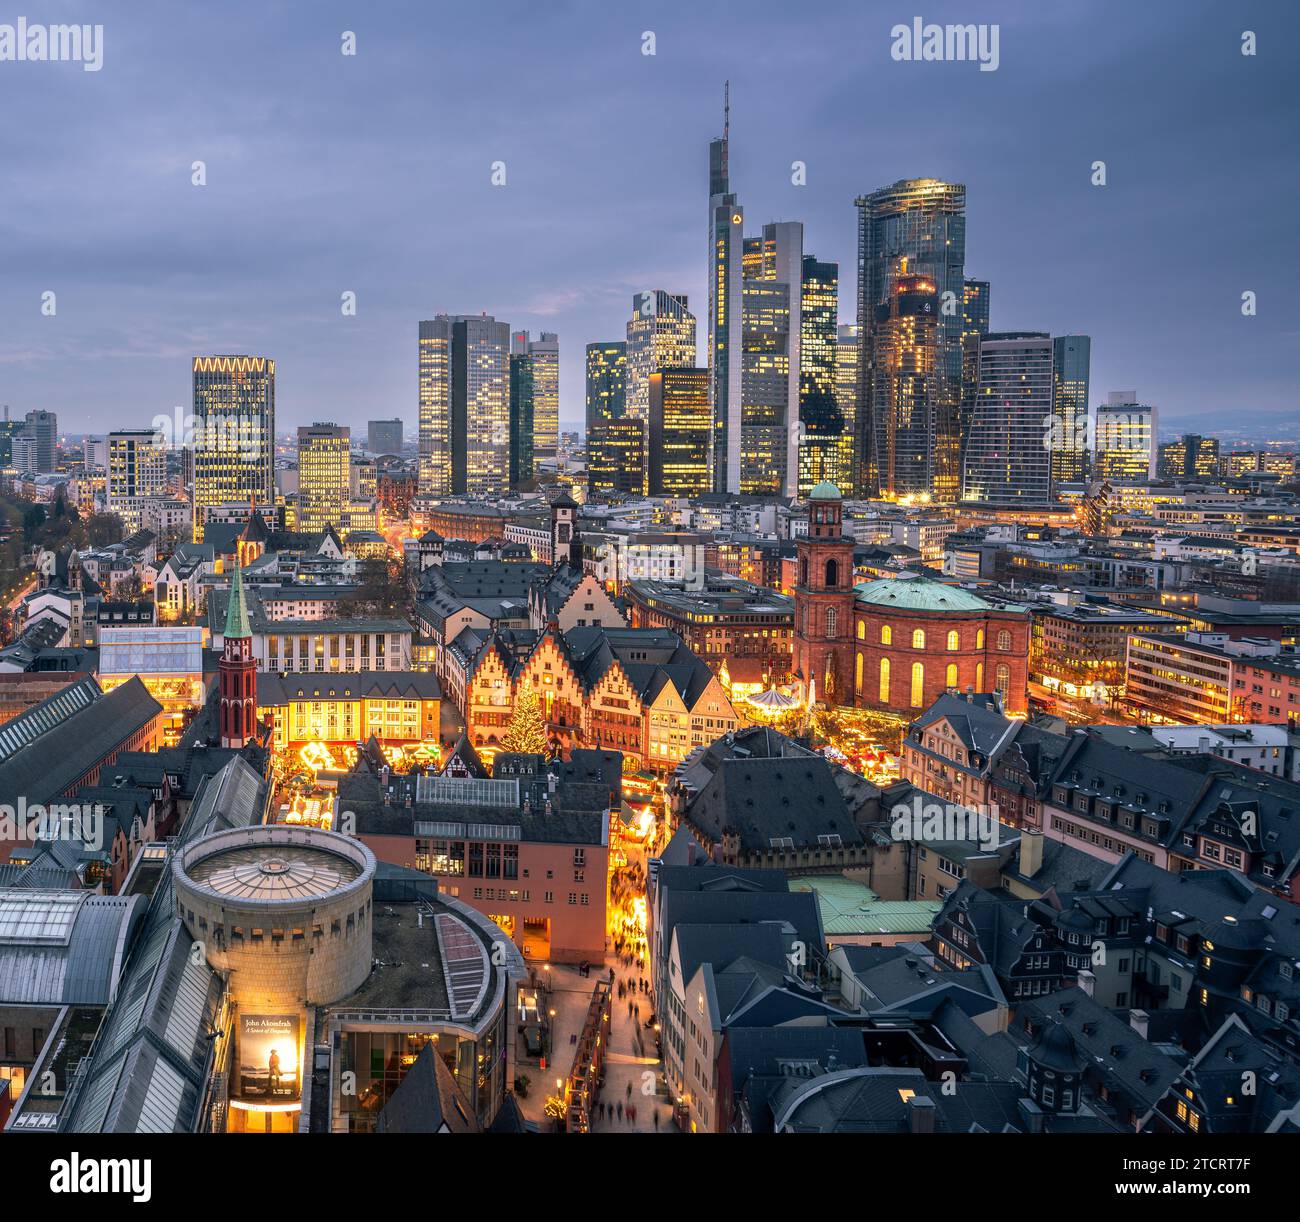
(898, 643)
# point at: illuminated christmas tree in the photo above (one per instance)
(526, 732)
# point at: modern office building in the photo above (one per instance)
(660, 335)
(1125, 446)
(608, 436)
(1008, 461)
(606, 382)
(543, 355)
(42, 430)
(771, 329)
(1071, 360)
(846, 399)
(975, 323)
(680, 425)
(523, 410)
(1191, 457)
(136, 467)
(464, 405)
(726, 276)
(821, 423)
(324, 454)
(911, 315)
(616, 458)
(231, 453)
(384, 436)
(913, 420)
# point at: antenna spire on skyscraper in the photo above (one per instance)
(726, 110)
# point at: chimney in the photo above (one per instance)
(1139, 1020)
(1031, 852)
(1087, 981)
(920, 1114)
(1031, 1116)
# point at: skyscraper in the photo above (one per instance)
(384, 436)
(543, 354)
(911, 290)
(1125, 446)
(1007, 459)
(523, 410)
(610, 435)
(135, 467)
(660, 335)
(1071, 359)
(679, 430)
(606, 382)
(975, 323)
(846, 399)
(726, 258)
(43, 429)
(1191, 457)
(464, 405)
(324, 488)
(232, 452)
(821, 421)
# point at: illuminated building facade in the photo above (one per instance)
(1008, 461)
(136, 468)
(1071, 363)
(231, 454)
(660, 335)
(1125, 440)
(975, 325)
(1191, 457)
(544, 355)
(726, 277)
(846, 399)
(616, 458)
(679, 430)
(324, 453)
(522, 411)
(822, 426)
(615, 443)
(771, 301)
(169, 662)
(910, 365)
(896, 644)
(398, 709)
(914, 428)
(464, 406)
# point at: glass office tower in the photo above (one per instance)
(324, 487)
(464, 406)
(679, 428)
(1007, 459)
(821, 421)
(231, 452)
(921, 221)
(1071, 360)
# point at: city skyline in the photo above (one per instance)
(350, 216)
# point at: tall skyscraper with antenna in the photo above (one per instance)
(726, 259)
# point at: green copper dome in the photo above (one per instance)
(918, 594)
(824, 492)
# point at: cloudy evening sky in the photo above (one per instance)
(371, 174)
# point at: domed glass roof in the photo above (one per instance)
(274, 872)
(918, 594)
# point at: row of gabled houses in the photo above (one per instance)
(1111, 790)
(639, 691)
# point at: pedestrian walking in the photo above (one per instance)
(629, 1090)
(620, 1109)
(656, 1120)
